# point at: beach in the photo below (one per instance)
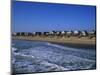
(65, 40)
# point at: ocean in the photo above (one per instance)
(37, 56)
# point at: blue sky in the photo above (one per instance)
(34, 16)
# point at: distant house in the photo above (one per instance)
(76, 33)
(69, 33)
(14, 34)
(22, 33)
(38, 33)
(18, 33)
(29, 34)
(25, 34)
(33, 33)
(92, 34)
(83, 33)
(63, 33)
(58, 33)
(51, 33)
(45, 33)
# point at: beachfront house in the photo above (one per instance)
(58, 33)
(22, 33)
(76, 33)
(69, 33)
(38, 33)
(91, 34)
(63, 33)
(46, 33)
(33, 33)
(83, 33)
(14, 34)
(51, 33)
(18, 33)
(25, 34)
(42, 34)
(54, 33)
(29, 34)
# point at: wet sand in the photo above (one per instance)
(83, 42)
(83, 46)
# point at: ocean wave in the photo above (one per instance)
(42, 65)
(27, 64)
(38, 51)
(43, 52)
(51, 57)
(47, 57)
(67, 48)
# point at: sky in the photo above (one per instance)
(37, 16)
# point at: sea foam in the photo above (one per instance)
(47, 57)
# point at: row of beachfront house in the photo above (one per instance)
(58, 33)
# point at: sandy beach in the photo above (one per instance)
(70, 40)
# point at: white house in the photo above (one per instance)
(83, 33)
(14, 34)
(92, 34)
(76, 33)
(69, 33)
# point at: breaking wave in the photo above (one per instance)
(27, 64)
(50, 57)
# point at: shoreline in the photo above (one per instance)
(70, 42)
(83, 46)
